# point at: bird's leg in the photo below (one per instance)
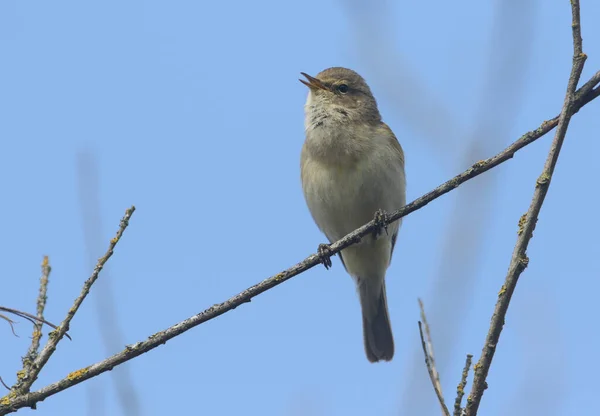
(381, 219)
(325, 254)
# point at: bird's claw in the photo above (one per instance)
(325, 254)
(381, 219)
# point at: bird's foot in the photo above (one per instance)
(381, 218)
(324, 253)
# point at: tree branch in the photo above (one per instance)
(460, 389)
(25, 380)
(519, 260)
(37, 326)
(14, 402)
(434, 376)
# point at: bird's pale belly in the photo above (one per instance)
(340, 201)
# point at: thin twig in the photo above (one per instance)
(4, 384)
(430, 361)
(24, 383)
(519, 260)
(31, 318)
(10, 404)
(37, 326)
(460, 389)
(10, 322)
(429, 343)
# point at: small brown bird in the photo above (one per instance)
(352, 166)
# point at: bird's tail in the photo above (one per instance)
(377, 331)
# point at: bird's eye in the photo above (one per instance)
(342, 88)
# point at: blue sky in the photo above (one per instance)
(192, 112)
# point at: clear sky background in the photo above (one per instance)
(192, 111)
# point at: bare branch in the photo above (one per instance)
(527, 223)
(430, 360)
(88, 176)
(12, 403)
(460, 389)
(37, 326)
(24, 383)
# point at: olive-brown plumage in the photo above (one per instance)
(352, 165)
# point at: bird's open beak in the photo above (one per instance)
(313, 83)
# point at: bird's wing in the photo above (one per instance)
(394, 143)
(397, 149)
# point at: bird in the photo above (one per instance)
(352, 170)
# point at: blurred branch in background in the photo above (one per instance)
(15, 401)
(370, 21)
(106, 309)
(519, 260)
(499, 103)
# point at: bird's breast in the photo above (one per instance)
(344, 196)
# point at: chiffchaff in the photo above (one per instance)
(352, 168)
